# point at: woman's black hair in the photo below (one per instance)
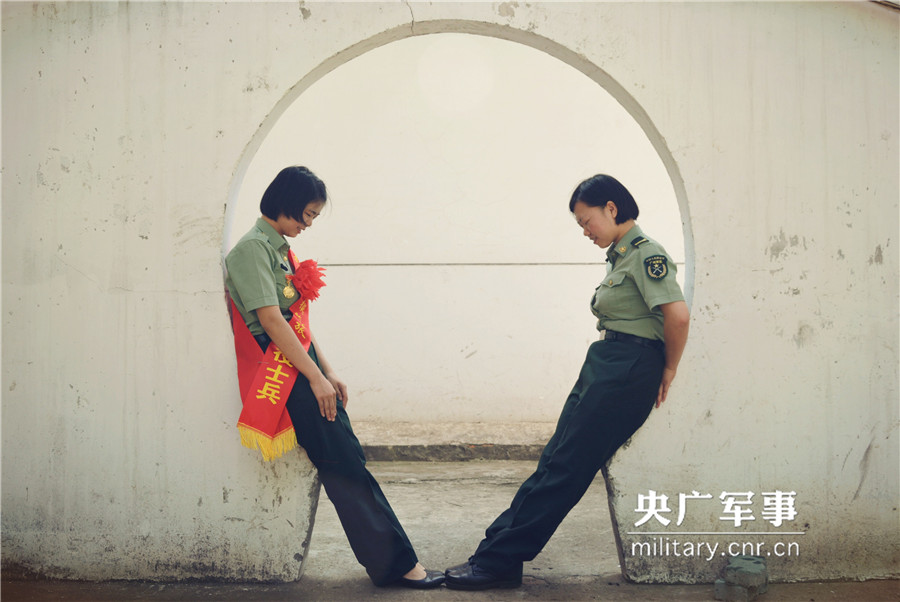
(598, 190)
(290, 192)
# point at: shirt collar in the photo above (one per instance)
(277, 241)
(621, 248)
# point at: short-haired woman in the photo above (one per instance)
(290, 391)
(643, 322)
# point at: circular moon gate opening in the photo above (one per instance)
(458, 282)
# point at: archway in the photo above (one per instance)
(479, 287)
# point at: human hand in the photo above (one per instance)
(339, 387)
(667, 378)
(325, 396)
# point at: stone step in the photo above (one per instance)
(449, 442)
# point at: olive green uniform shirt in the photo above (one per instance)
(257, 266)
(640, 277)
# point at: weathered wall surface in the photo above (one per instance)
(126, 127)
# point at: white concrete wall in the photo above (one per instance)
(127, 127)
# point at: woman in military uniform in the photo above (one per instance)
(270, 290)
(643, 323)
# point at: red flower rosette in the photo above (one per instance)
(307, 279)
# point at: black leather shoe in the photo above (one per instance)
(457, 570)
(431, 580)
(472, 578)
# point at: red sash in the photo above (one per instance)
(266, 379)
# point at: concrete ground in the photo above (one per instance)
(445, 507)
(445, 502)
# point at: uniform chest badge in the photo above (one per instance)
(657, 268)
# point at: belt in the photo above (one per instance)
(612, 335)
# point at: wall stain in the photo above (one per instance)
(258, 83)
(878, 257)
(507, 9)
(864, 468)
(804, 335)
(780, 244)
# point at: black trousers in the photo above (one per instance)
(375, 534)
(614, 394)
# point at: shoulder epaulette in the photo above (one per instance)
(639, 241)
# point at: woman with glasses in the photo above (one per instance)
(290, 391)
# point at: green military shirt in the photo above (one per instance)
(257, 266)
(640, 277)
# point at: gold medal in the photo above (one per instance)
(288, 292)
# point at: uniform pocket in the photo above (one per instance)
(614, 296)
(613, 280)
